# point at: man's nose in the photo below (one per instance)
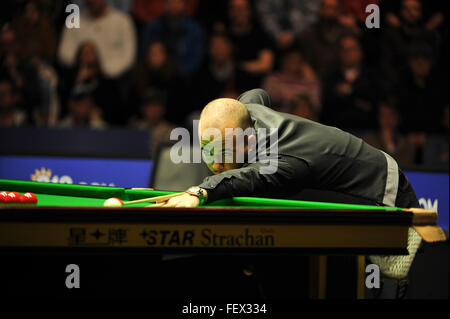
(218, 166)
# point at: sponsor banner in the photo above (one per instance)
(157, 235)
(432, 191)
(90, 171)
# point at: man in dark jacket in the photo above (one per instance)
(307, 155)
(301, 154)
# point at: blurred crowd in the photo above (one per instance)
(154, 64)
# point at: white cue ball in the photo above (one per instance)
(113, 202)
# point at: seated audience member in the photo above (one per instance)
(157, 70)
(36, 44)
(388, 137)
(285, 20)
(356, 9)
(48, 111)
(183, 37)
(35, 34)
(218, 73)
(87, 71)
(152, 111)
(22, 73)
(148, 10)
(321, 41)
(301, 105)
(402, 31)
(210, 12)
(435, 152)
(420, 93)
(10, 114)
(252, 47)
(111, 31)
(349, 93)
(295, 77)
(82, 110)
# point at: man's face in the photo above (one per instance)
(420, 66)
(411, 11)
(156, 55)
(174, 8)
(239, 11)
(6, 96)
(31, 13)
(329, 10)
(81, 108)
(8, 44)
(292, 63)
(220, 49)
(223, 154)
(153, 113)
(350, 52)
(387, 117)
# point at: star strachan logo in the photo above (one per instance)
(45, 175)
(42, 175)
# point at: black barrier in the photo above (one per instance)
(112, 142)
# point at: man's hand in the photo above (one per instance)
(184, 200)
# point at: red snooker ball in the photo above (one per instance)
(13, 197)
(28, 198)
(3, 196)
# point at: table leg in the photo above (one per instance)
(361, 276)
(317, 277)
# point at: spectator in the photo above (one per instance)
(48, 111)
(435, 153)
(252, 47)
(295, 77)
(210, 12)
(320, 42)
(10, 114)
(301, 105)
(388, 137)
(82, 110)
(356, 9)
(111, 31)
(419, 92)
(350, 92)
(285, 20)
(430, 13)
(34, 33)
(152, 110)
(218, 74)
(404, 31)
(124, 6)
(21, 72)
(183, 37)
(87, 71)
(149, 10)
(158, 71)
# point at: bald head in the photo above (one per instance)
(225, 113)
(225, 133)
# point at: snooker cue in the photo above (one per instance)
(154, 199)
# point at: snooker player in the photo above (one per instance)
(309, 155)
